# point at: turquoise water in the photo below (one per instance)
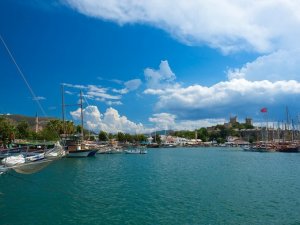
(169, 186)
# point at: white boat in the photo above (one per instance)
(55, 153)
(30, 164)
(136, 151)
(9, 152)
(26, 165)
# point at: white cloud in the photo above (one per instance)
(161, 78)
(229, 25)
(280, 65)
(130, 85)
(238, 94)
(114, 103)
(111, 121)
(163, 120)
(74, 86)
(69, 92)
(38, 98)
(96, 93)
(120, 91)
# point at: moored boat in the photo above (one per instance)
(287, 147)
(82, 153)
(136, 151)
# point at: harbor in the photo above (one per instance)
(170, 112)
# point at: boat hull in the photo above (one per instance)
(138, 151)
(81, 153)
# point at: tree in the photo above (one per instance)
(156, 138)
(202, 134)
(103, 136)
(52, 130)
(121, 137)
(128, 137)
(69, 127)
(23, 130)
(78, 129)
(6, 131)
(140, 138)
(111, 136)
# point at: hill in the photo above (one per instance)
(15, 118)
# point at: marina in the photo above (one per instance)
(142, 113)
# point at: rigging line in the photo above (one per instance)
(23, 76)
(86, 100)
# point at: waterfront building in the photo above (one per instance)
(248, 121)
(233, 120)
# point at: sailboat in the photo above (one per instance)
(78, 148)
(24, 163)
(27, 164)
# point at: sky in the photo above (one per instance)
(146, 65)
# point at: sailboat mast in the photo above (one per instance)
(63, 108)
(81, 114)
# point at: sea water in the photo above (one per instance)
(165, 186)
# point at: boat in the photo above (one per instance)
(287, 147)
(136, 151)
(166, 145)
(11, 151)
(55, 153)
(153, 145)
(78, 148)
(78, 152)
(28, 163)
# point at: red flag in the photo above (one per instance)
(263, 110)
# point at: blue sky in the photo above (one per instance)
(147, 65)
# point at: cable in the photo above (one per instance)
(23, 76)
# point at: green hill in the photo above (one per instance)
(15, 118)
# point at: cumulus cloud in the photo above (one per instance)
(230, 25)
(227, 94)
(110, 121)
(161, 78)
(163, 120)
(280, 65)
(244, 96)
